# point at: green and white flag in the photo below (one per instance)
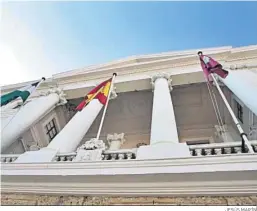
(22, 93)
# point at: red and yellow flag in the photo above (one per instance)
(100, 92)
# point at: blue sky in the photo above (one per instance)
(44, 38)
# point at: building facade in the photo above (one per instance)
(160, 135)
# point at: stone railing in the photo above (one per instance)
(130, 154)
(9, 158)
(122, 154)
(65, 157)
(220, 148)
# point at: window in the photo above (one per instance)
(51, 130)
(239, 111)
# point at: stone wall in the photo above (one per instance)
(22, 199)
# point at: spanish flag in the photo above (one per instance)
(100, 92)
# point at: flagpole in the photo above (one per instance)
(106, 105)
(19, 101)
(241, 131)
(42, 79)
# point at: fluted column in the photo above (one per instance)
(30, 113)
(163, 127)
(243, 83)
(164, 142)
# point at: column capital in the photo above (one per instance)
(57, 90)
(162, 75)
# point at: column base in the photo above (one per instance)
(163, 151)
(41, 156)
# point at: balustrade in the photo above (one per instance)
(220, 148)
(9, 158)
(130, 154)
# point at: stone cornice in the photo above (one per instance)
(142, 65)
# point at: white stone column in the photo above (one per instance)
(115, 141)
(71, 135)
(163, 127)
(243, 83)
(164, 142)
(30, 113)
(68, 139)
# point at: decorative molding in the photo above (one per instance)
(162, 75)
(121, 188)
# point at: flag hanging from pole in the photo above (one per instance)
(100, 92)
(209, 65)
(22, 93)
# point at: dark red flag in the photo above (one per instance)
(209, 65)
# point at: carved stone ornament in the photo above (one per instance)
(92, 150)
(161, 75)
(59, 91)
(115, 140)
(92, 145)
(113, 94)
(88, 155)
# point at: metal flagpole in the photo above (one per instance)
(106, 105)
(42, 80)
(241, 131)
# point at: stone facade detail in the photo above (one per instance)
(90, 151)
(162, 75)
(253, 133)
(69, 110)
(113, 94)
(115, 140)
(59, 91)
